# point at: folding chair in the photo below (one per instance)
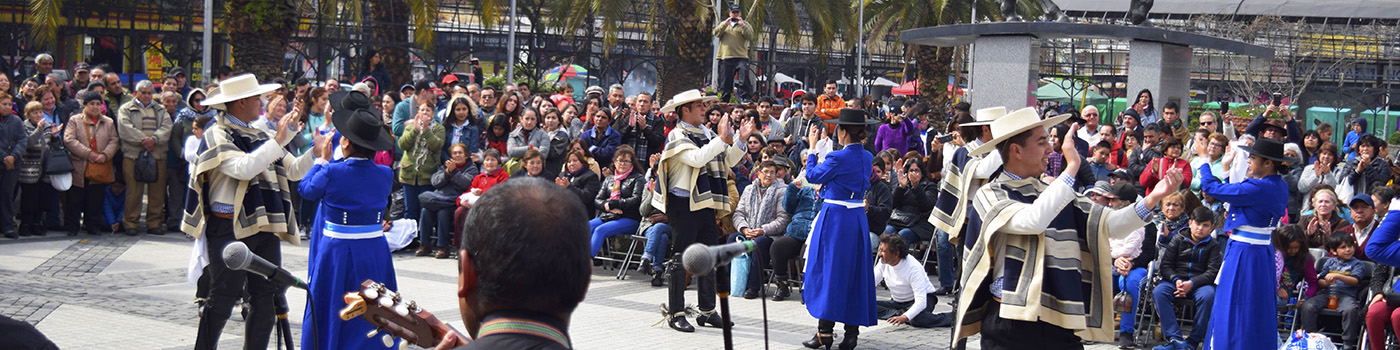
(1333, 329)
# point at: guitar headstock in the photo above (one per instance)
(388, 311)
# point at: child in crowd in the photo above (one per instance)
(1188, 268)
(1298, 264)
(1341, 275)
(1099, 163)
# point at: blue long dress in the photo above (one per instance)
(347, 247)
(839, 284)
(1246, 284)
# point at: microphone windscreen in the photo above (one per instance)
(237, 256)
(698, 260)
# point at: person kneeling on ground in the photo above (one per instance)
(911, 294)
(1189, 265)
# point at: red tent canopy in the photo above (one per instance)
(909, 88)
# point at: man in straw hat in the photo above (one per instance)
(238, 191)
(962, 174)
(693, 191)
(1034, 247)
(1246, 283)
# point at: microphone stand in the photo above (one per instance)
(722, 284)
(284, 327)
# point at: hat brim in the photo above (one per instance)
(222, 98)
(675, 104)
(337, 98)
(1285, 159)
(991, 145)
(989, 122)
(867, 121)
(341, 119)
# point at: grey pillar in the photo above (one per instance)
(1006, 70)
(1164, 69)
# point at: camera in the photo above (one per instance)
(945, 138)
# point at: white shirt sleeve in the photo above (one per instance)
(911, 270)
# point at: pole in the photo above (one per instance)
(860, 48)
(971, 52)
(510, 41)
(714, 54)
(208, 41)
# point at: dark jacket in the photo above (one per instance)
(630, 202)
(602, 146)
(1381, 277)
(1138, 161)
(1149, 250)
(646, 141)
(1198, 262)
(1294, 132)
(1378, 171)
(12, 138)
(471, 137)
(915, 203)
(879, 205)
(457, 181)
(584, 185)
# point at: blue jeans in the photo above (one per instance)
(602, 230)
(947, 260)
(910, 239)
(658, 239)
(1132, 283)
(1204, 297)
(435, 221)
(410, 199)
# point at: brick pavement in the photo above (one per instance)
(134, 290)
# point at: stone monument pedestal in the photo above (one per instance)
(1164, 69)
(1007, 69)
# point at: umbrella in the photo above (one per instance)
(564, 72)
(1068, 92)
(909, 88)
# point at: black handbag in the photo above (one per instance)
(56, 160)
(1392, 298)
(437, 200)
(145, 169)
(901, 219)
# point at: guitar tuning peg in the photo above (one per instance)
(401, 310)
(388, 341)
(372, 333)
(371, 293)
(413, 306)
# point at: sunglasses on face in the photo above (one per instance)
(1208, 123)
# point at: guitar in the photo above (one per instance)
(388, 311)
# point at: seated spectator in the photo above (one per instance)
(913, 202)
(911, 294)
(452, 179)
(1382, 197)
(577, 145)
(1363, 217)
(1188, 268)
(879, 200)
(1369, 167)
(531, 165)
(1130, 257)
(497, 132)
(1324, 220)
(618, 200)
(1170, 160)
(526, 137)
(1099, 163)
(1381, 313)
(1298, 265)
(801, 204)
(1340, 278)
(1173, 220)
(760, 217)
(601, 139)
(491, 174)
(655, 226)
(580, 180)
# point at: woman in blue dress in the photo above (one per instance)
(839, 285)
(347, 238)
(1246, 284)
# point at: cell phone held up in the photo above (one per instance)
(1278, 99)
(945, 138)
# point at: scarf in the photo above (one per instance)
(711, 182)
(261, 204)
(617, 185)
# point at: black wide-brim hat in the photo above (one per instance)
(1268, 149)
(363, 128)
(852, 116)
(353, 100)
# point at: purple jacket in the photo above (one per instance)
(896, 138)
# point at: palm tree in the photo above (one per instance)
(43, 21)
(882, 17)
(258, 31)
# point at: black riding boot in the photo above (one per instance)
(676, 296)
(848, 341)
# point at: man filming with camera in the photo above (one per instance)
(734, 37)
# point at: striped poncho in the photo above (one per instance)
(262, 203)
(1051, 247)
(697, 163)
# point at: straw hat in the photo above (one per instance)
(1014, 124)
(685, 97)
(238, 88)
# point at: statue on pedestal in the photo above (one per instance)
(1137, 12)
(1052, 11)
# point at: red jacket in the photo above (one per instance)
(1153, 172)
(484, 181)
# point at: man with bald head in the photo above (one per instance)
(1089, 131)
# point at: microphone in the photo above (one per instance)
(238, 257)
(700, 259)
